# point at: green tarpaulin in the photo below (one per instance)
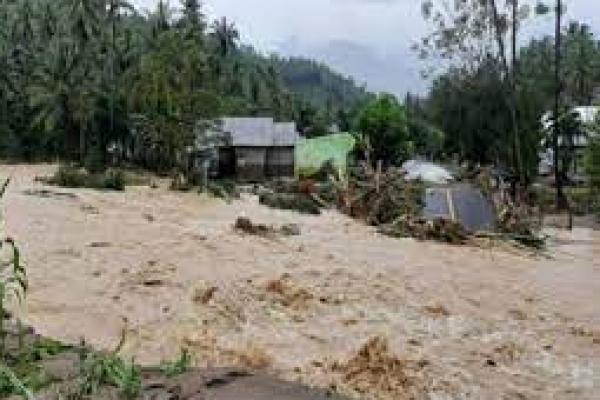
(312, 154)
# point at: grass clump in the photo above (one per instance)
(98, 370)
(223, 189)
(12, 384)
(42, 349)
(178, 367)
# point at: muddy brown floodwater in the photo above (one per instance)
(444, 322)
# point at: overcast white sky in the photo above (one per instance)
(368, 39)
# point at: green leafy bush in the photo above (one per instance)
(223, 189)
(73, 177)
(299, 202)
(592, 163)
(113, 179)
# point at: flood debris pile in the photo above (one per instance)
(291, 195)
(381, 197)
(299, 202)
(401, 204)
(375, 371)
(515, 223)
(439, 229)
(245, 225)
(287, 294)
(395, 204)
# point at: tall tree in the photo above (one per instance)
(560, 197)
(114, 9)
(226, 36)
(193, 18)
(469, 33)
(581, 64)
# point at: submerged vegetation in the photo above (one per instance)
(74, 177)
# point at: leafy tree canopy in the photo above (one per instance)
(384, 125)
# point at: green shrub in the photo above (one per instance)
(73, 177)
(113, 179)
(290, 201)
(592, 163)
(67, 176)
(223, 189)
(94, 161)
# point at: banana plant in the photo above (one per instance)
(13, 275)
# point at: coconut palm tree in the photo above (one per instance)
(581, 63)
(226, 37)
(54, 92)
(193, 19)
(84, 17)
(114, 9)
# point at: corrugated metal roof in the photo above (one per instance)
(587, 114)
(259, 132)
(285, 134)
(462, 203)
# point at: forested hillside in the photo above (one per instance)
(317, 84)
(76, 76)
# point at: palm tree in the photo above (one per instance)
(84, 17)
(582, 62)
(48, 23)
(163, 16)
(193, 19)
(226, 36)
(54, 92)
(114, 8)
(85, 26)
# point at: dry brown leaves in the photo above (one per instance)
(287, 294)
(375, 371)
(252, 356)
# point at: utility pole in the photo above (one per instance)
(560, 203)
(518, 156)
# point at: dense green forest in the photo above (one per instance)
(77, 77)
(465, 103)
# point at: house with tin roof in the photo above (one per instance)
(256, 148)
